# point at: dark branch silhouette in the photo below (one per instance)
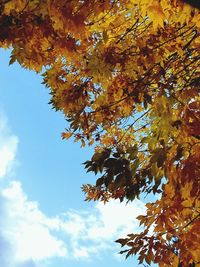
(194, 3)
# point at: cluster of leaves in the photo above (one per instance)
(126, 75)
(124, 175)
(175, 221)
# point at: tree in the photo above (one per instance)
(126, 75)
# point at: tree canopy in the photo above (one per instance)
(126, 75)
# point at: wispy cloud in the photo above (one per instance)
(29, 238)
(92, 232)
(28, 228)
(8, 147)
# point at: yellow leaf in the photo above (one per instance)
(66, 135)
(185, 190)
(156, 14)
(187, 203)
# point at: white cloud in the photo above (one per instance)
(28, 229)
(8, 147)
(93, 232)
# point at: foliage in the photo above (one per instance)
(126, 75)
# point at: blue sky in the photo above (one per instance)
(45, 221)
